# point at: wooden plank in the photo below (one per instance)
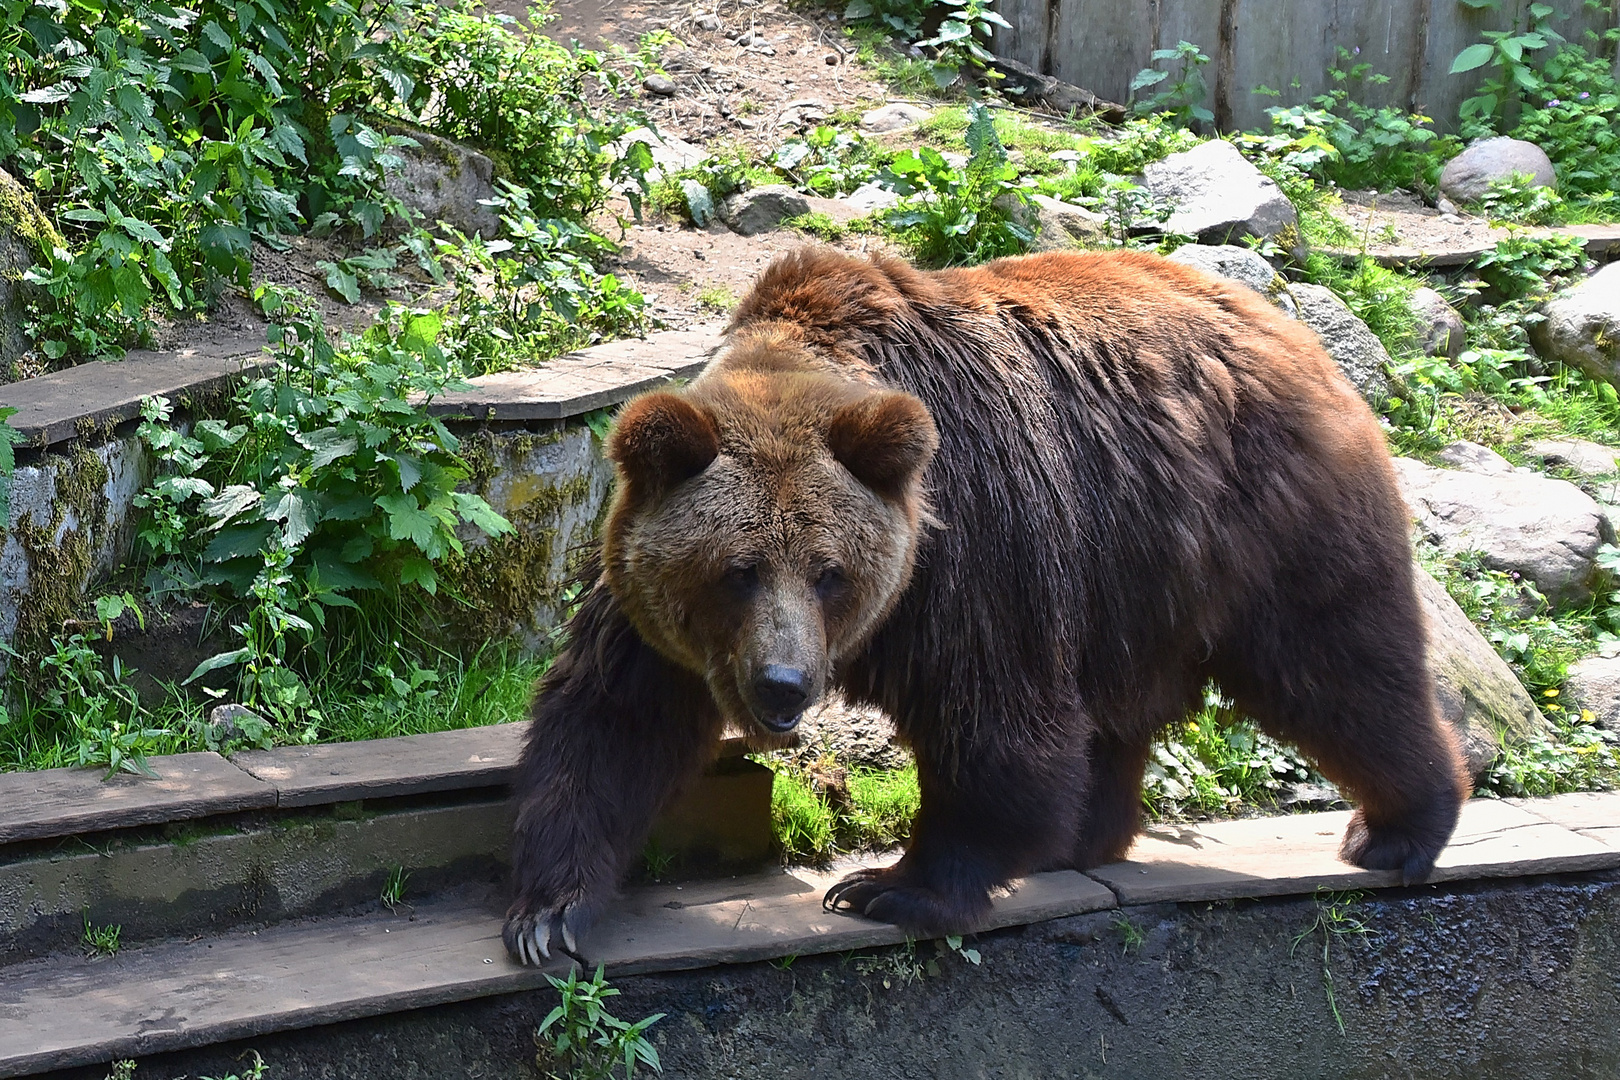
(1299, 854)
(580, 382)
(1591, 813)
(1300, 41)
(69, 1012)
(388, 768)
(65, 404)
(67, 802)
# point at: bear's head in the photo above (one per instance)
(766, 519)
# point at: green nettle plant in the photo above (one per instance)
(587, 1042)
(329, 481)
(1576, 119)
(1181, 95)
(956, 217)
(1515, 78)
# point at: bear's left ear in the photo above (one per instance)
(886, 440)
(660, 440)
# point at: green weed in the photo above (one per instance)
(1338, 918)
(393, 891)
(581, 1040)
(100, 940)
(1179, 89)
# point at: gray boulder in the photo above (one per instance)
(1467, 177)
(1061, 226)
(1440, 324)
(762, 209)
(1356, 349)
(445, 181)
(896, 117)
(1477, 693)
(1240, 264)
(1547, 531)
(1593, 686)
(26, 237)
(1217, 195)
(1587, 458)
(1582, 326)
(1472, 457)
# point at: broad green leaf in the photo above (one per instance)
(408, 521)
(1475, 56)
(234, 500)
(217, 661)
(298, 514)
(475, 510)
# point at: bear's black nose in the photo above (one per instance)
(781, 691)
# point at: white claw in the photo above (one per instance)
(525, 953)
(542, 938)
(568, 935)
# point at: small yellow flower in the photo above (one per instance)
(1587, 716)
(1550, 693)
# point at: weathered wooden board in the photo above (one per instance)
(90, 397)
(1590, 813)
(1288, 45)
(66, 802)
(68, 1012)
(1299, 854)
(388, 768)
(580, 382)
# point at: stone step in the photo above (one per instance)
(1602, 244)
(71, 1011)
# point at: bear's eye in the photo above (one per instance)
(742, 577)
(830, 581)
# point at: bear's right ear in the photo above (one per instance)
(886, 440)
(660, 440)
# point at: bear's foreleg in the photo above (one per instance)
(618, 730)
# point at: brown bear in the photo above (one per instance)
(1030, 510)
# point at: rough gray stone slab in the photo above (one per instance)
(387, 768)
(57, 407)
(580, 382)
(65, 802)
(1590, 813)
(1275, 856)
(66, 1012)
(1602, 243)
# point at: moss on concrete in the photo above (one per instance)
(25, 220)
(60, 555)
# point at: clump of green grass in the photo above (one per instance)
(100, 940)
(816, 224)
(871, 810)
(882, 804)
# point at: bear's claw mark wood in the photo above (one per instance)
(1029, 510)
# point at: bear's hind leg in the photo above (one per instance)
(1113, 811)
(1348, 683)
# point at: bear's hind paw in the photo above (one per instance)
(885, 895)
(1380, 847)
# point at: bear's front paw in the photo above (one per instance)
(528, 933)
(886, 895)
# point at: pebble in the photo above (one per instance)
(832, 59)
(707, 22)
(661, 85)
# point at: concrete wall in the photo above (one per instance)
(1102, 44)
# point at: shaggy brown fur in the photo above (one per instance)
(1142, 479)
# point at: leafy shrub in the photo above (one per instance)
(1217, 760)
(953, 218)
(1517, 198)
(1522, 265)
(1516, 77)
(1575, 118)
(826, 161)
(586, 1041)
(1181, 97)
(956, 43)
(328, 480)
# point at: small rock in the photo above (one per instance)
(1242, 265)
(1477, 693)
(1218, 196)
(1547, 531)
(1311, 797)
(1474, 458)
(762, 209)
(662, 85)
(707, 22)
(1593, 685)
(1587, 458)
(445, 181)
(871, 197)
(1467, 177)
(954, 159)
(896, 117)
(699, 203)
(1356, 349)
(840, 210)
(1061, 225)
(1443, 330)
(831, 59)
(1582, 326)
(226, 723)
